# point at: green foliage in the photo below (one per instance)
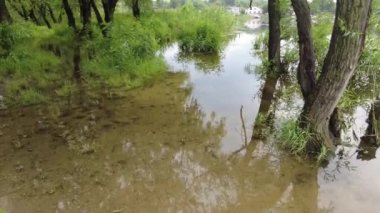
(37, 62)
(26, 62)
(127, 56)
(294, 138)
(317, 6)
(203, 31)
(31, 97)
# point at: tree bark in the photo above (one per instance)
(274, 69)
(42, 9)
(274, 56)
(77, 59)
(306, 67)
(135, 8)
(69, 14)
(346, 45)
(274, 42)
(4, 13)
(109, 7)
(97, 13)
(85, 13)
(51, 12)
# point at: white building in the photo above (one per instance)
(254, 12)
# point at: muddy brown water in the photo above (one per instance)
(171, 147)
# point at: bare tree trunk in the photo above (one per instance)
(346, 45)
(4, 13)
(306, 67)
(274, 69)
(51, 12)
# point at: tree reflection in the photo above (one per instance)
(369, 143)
(210, 63)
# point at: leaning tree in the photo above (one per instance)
(346, 45)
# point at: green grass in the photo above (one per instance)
(36, 63)
(294, 139)
(206, 30)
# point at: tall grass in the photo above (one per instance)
(294, 138)
(206, 30)
(36, 63)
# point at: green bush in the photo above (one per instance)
(203, 32)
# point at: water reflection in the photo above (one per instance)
(210, 63)
(175, 146)
(369, 142)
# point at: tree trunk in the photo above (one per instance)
(274, 56)
(76, 60)
(97, 13)
(109, 9)
(51, 12)
(346, 45)
(4, 13)
(42, 9)
(69, 14)
(33, 17)
(135, 8)
(274, 69)
(306, 67)
(85, 13)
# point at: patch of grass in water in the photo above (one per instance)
(294, 138)
(31, 97)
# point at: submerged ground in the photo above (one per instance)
(171, 147)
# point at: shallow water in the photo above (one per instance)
(171, 147)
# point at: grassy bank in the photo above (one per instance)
(36, 63)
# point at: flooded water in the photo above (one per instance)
(172, 147)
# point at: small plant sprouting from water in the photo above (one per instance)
(323, 154)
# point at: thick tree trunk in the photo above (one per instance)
(4, 13)
(346, 45)
(306, 67)
(274, 42)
